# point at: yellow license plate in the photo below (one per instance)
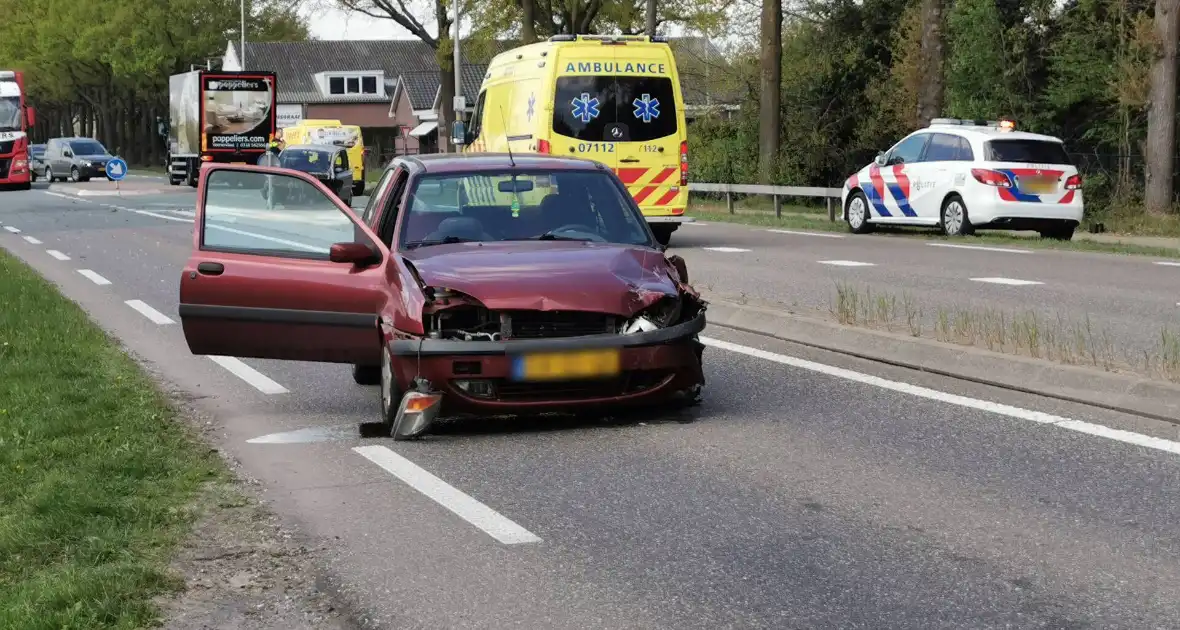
(585, 364)
(1038, 186)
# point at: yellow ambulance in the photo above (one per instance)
(333, 132)
(615, 99)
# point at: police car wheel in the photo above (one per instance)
(955, 220)
(856, 215)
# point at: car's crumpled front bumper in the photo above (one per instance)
(656, 366)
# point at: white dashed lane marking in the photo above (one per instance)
(1167, 263)
(461, 504)
(156, 317)
(12, 229)
(1012, 282)
(727, 250)
(253, 377)
(56, 254)
(94, 277)
(1006, 250)
(820, 234)
(32, 240)
(846, 263)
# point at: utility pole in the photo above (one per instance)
(458, 66)
(242, 53)
(651, 18)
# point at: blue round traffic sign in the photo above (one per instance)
(116, 169)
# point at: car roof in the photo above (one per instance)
(989, 133)
(482, 162)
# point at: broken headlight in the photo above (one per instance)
(662, 314)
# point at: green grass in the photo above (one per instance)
(97, 475)
(813, 218)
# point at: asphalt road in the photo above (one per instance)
(813, 491)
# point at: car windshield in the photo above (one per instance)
(87, 147)
(590, 108)
(1026, 151)
(520, 206)
(10, 113)
(306, 160)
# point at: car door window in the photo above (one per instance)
(376, 199)
(942, 148)
(254, 212)
(964, 154)
(909, 150)
(393, 208)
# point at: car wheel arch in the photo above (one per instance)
(852, 192)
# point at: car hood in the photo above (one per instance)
(549, 276)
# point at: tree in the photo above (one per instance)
(1161, 114)
(769, 121)
(930, 92)
(400, 13)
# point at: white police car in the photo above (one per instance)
(962, 175)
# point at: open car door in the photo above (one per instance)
(280, 269)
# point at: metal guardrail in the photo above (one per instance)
(777, 192)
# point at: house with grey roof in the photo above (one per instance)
(390, 88)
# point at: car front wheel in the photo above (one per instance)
(857, 214)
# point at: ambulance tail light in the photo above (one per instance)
(1073, 182)
(683, 163)
(991, 178)
(543, 146)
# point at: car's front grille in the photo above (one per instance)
(550, 324)
(628, 383)
(6, 147)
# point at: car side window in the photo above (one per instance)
(964, 154)
(908, 151)
(942, 148)
(369, 216)
(251, 212)
(393, 208)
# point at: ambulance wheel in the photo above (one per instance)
(663, 233)
(856, 215)
(955, 220)
(366, 374)
(358, 188)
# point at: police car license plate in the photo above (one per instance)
(1038, 185)
(586, 364)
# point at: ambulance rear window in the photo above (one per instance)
(1025, 151)
(614, 108)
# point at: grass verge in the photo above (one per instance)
(97, 476)
(811, 218)
(1070, 341)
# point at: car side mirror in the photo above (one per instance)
(880, 159)
(681, 268)
(353, 253)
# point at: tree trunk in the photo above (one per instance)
(446, 76)
(528, 23)
(651, 18)
(1161, 113)
(930, 87)
(769, 113)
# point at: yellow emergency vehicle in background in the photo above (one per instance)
(615, 99)
(334, 133)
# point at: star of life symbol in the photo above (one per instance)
(647, 108)
(585, 108)
(532, 101)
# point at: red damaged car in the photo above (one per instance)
(471, 285)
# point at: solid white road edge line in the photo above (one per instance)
(1018, 413)
(56, 254)
(32, 240)
(253, 377)
(846, 263)
(820, 234)
(982, 248)
(462, 505)
(12, 229)
(70, 197)
(727, 250)
(94, 277)
(1167, 264)
(152, 314)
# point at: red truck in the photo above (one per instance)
(16, 118)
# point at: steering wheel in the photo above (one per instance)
(580, 228)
